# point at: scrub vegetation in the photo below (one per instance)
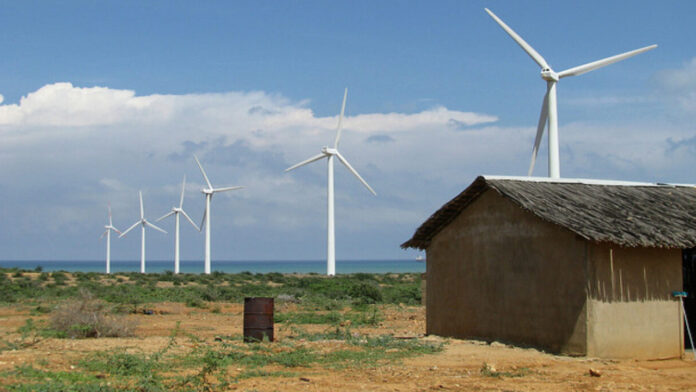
(313, 291)
(310, 310)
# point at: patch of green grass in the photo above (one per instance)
(119, 363)
(371, 317)
(297, 357)
(341, 359)
(30, 334)
(32, 379)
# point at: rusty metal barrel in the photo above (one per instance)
(258, 319)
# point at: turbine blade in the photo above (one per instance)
(228, 188)
(522, 43)
(190, 220)
(104, 234)
(543, 117)
(340, 118)
(129, 229)
(165, 215)
(109, 206)
(155, 227)
(142, 209)
(603, 62)
(115, 229)
(203, 172)
(310, 160)
(355, 173)
(205, 214)
(183, 188)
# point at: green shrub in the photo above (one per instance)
(119, 363)
(365, 293)
(410, 295)
(196, 303)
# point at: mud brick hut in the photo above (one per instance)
(578, 267)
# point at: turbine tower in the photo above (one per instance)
(549, 113)
(209, 192)
(107, 233)
(142, 222)
(176, 211)
(329, 153)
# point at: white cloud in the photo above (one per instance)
(62, 104)
(680, 79)
(680, 85)
(428, 119)
(71, 150)
(607, 100)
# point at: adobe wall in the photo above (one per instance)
(499, 273)
(631, 312)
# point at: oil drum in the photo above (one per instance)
(258, 319)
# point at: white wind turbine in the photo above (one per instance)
(142, 222)
(330, 153)
(110, 227)
(176, 211)
(549, 108)
(208, 192)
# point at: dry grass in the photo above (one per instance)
(88, 317)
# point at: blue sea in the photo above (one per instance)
(287, 267)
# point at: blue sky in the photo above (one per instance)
(102, 99)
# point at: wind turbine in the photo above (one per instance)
(142, 222)
(549, 111)
(176, 211)
(209, 192)
(330, 153)
(107, 233)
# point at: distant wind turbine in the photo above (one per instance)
(549, 111)
(142, 222)
(176, 211)
(330, 153)
(110, 227)
(209, 192)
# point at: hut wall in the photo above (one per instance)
(498, 272)
(631, 312)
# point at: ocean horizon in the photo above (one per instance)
(196, 266)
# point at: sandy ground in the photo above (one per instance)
(458, 367)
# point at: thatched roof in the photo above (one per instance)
(623, 213)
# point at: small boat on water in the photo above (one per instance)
(420, 258)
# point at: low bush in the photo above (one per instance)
(365, 293)
(87, 317)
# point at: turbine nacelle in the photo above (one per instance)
(329, 151)
(549, 75)
(207, 191)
